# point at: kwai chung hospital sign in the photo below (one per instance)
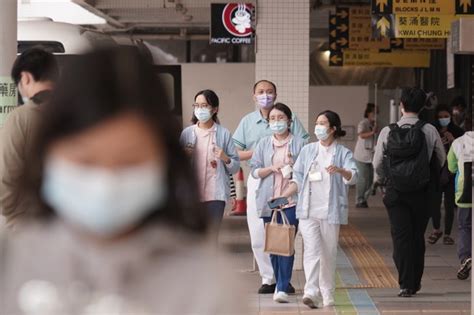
(232, 23)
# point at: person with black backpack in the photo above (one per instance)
(407, 157)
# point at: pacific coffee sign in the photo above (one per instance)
(232, 23)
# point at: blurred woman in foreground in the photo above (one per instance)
(121, 229)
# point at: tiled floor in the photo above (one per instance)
(442, 292)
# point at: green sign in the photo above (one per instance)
(8, 97)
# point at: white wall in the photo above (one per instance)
(348, 101)
(233, 83)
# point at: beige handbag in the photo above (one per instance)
(279, 238)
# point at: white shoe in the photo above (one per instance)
(329, 302)
(281, 297)
(310, 301)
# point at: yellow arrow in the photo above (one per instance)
(333, 21)
(333, 33)
(343, 14)
(381, 4)
(343, 28)
(397, 41)
(335, 59)
(333, 46)
(465, 4)
(384, 25)
(342, 41)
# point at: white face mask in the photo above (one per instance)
(203, 114)
(279, 127)
(321, 132)
(103, 202)
(265, 101)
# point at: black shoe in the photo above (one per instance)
(291, 289)
(405, 293)
(418, 288)
(362, 205)
(267, 289)
(465, 269)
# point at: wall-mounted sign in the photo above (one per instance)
(8, 97)
(232, 23)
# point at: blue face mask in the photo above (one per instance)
(203, 114)
(444, 122)
(100, 201)
(279, 127)
(321, 132)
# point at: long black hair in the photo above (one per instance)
(334, 122)
(104, 84)
(211, 99)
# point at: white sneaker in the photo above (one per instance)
(328, 300)
(310, 301)
(281, 297)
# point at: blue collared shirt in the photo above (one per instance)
(338, 204)
(224, 141)
(254, 127)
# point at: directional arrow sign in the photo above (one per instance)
(333, 20)
(463, 7)
(381, 4)
(333, 33)
(343, 28)
(384, 26)
(335, 59)
(343, 14)
(333, 46)
(342, 41)
(396, 43)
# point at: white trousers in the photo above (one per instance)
(319, 258)
(257, 233)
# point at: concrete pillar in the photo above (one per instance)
(282, 39)
(8, 44)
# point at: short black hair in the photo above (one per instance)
(282, 107)
(413, 99)
(370, 108)
(443, 108)
(260, 81)
(458, 101)
(212, 99)
(41, 64)
(334, 122)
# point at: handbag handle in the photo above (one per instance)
(284, 218)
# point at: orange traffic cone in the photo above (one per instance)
(240, 200)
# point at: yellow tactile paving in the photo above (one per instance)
(366, 261)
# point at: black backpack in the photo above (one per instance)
(406, 164)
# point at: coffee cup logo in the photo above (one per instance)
(237, 19)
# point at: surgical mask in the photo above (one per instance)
(321, 132)
(279, 127)
(102, 201)
(444, 122)
(202, 114)
(265, 101)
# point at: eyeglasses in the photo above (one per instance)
(203, 105)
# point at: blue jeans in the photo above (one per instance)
(465, 236)
(215, 210)
(283, 265)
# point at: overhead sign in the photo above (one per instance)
(8, 97)
(423, 26)
(399, 58)
(232, 23)
(433, 7)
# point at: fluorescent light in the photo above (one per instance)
(58, 10)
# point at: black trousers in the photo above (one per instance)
(449, 205)
(408, 214)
